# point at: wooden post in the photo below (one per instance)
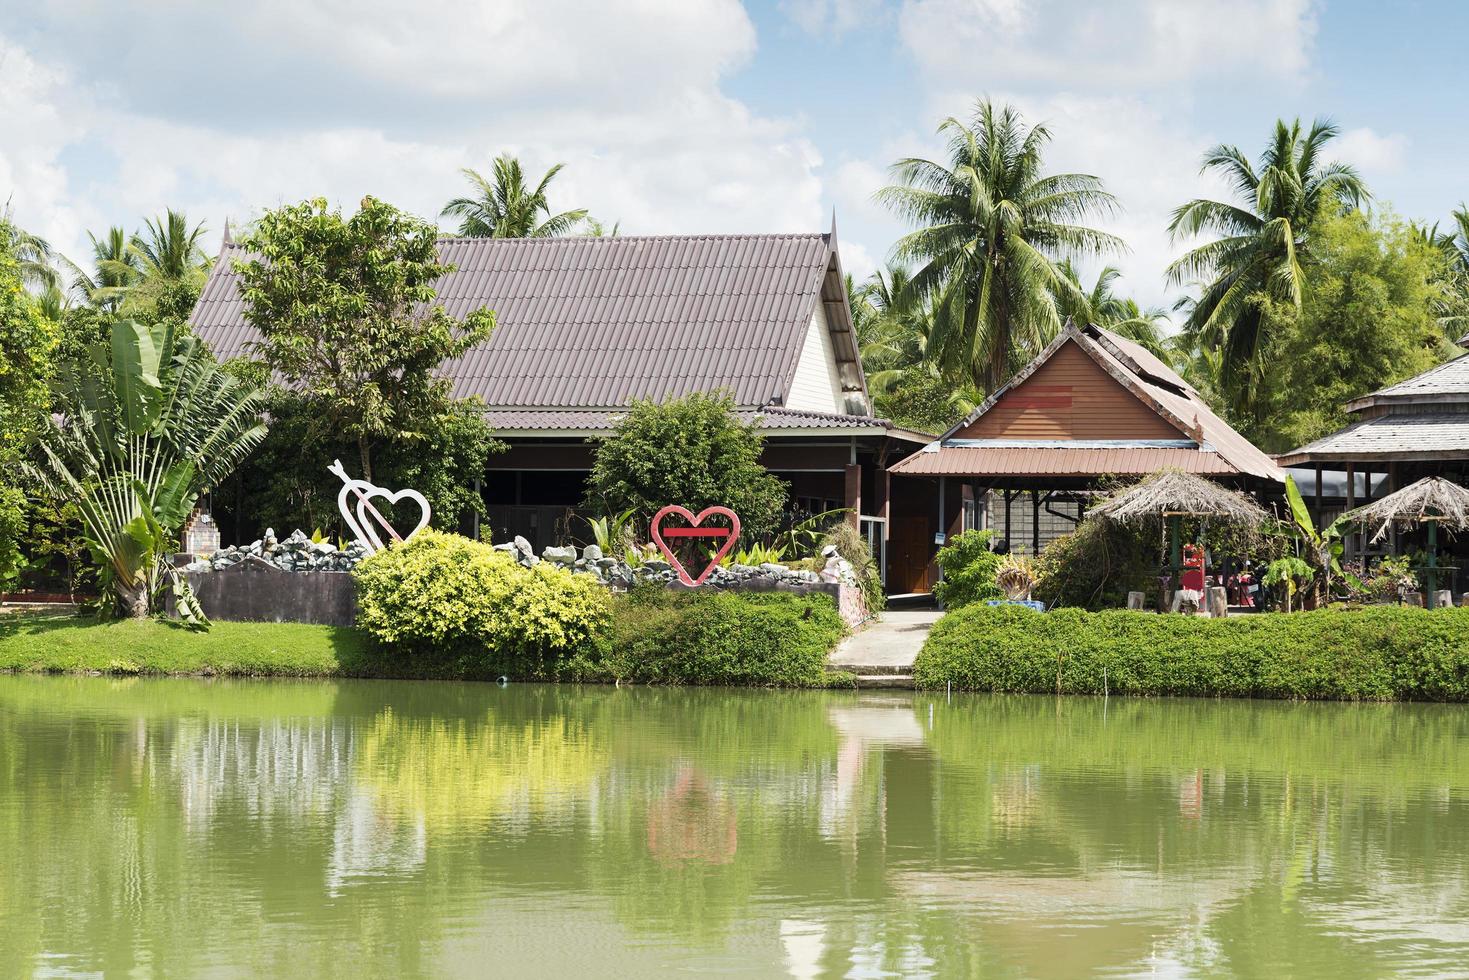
(1035, 522)
(1432, 569)
(1319, 509)
(1007, 518)
(853, 490)
(1351, 543)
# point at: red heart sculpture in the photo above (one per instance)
(729, 534)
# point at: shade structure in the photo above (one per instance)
(1173, 493)
(1431, 500)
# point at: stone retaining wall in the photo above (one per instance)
(295, 580)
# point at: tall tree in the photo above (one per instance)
(1102, 306)
(169, 249)
(115, 270)
(1451, 305)
(27, 341)
(1366, 322)
(503, 205)
(1263, 246)
(991, 226)
(347, 319)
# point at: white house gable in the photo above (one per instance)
(817, 385)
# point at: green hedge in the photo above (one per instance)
(452, 606)
(735, 638)
(1376, 654)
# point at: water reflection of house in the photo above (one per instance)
(871, 732)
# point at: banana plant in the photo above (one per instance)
(142, 427)
(1323, 548)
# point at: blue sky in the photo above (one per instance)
(680, 116)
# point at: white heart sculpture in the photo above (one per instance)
(357, 519)
(392, 498)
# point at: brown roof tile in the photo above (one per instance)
(588, 323)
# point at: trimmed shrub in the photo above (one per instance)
(969, 568)
(1380, 654)
(703, 637)
(444, 594)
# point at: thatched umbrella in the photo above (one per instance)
(1432, 501)
(1174, 495)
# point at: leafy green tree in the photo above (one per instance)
(143, 427)
(691, 451)
(991, 226)
(285, 484)
(346, 314)
(1263, 248)
(1367, 322)
(27, 343)
(503, 205)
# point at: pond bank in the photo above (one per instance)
(69, 645)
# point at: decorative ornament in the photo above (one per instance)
(729, 534)
(364, 519)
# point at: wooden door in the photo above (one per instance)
(910, 552)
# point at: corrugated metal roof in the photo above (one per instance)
(1388, 437)
(1067, 462)
(591, 422)
(594, 322)
(1221, 449)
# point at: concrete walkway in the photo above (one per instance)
(881, 654)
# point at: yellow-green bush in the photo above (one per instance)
(445, 594)
(1378, 654)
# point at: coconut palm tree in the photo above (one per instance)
(32, 253)
(1451, 304)
(168, 249)
(115, 270)
(991, 226)
(1102, 306)
(1263, 246)
(504, 206)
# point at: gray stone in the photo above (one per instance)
(591, 552)
(560, 556)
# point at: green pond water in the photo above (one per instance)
(363, 829)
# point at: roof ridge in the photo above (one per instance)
(712, 236)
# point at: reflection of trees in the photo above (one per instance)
(344, 833)
(451, 774)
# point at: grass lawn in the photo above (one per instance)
(70, 645)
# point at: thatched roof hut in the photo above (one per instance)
(1432, 500)
(1173, 493)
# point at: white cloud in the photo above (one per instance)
(1370, 151)
(629, 99)
(833, 17)
(1128, 43)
